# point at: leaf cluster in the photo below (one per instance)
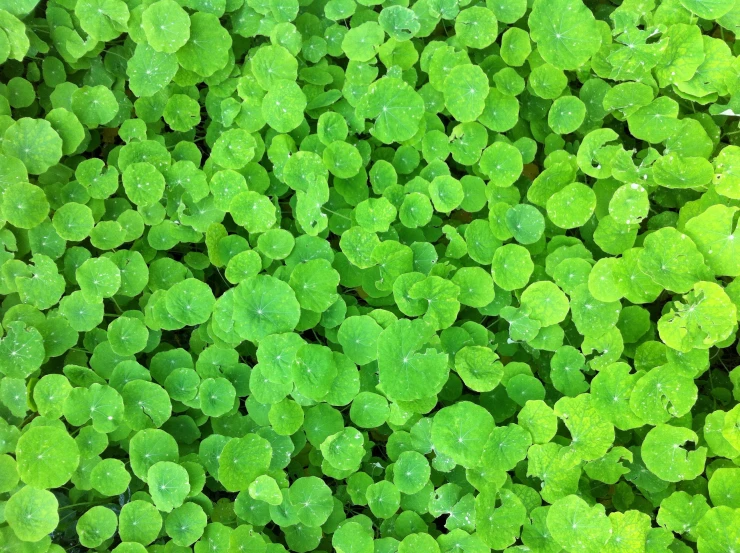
(364, 276)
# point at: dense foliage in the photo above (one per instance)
(441, 276)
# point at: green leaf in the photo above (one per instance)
(511, 267)
(396, 108)
(96, 525)
(95, 105)
(103, 20)
(243, 460)
(465, 91)
(525, 223)
(502, 163)
(358, 336)
(383, 498)
(572, 206)
(216, 396)
(312, 499)
(407, 369)
(683, 55)
(499, 517)
(655, 122)
(344, 450)
(166, 26)
(399, 22)
(461, 432)
(34, 142)
(714, 235)
(21, 350)
(476, 27)
(273, 63)
(264, 305)
(665, 457)
(591, 316)
(32, 513)
(110, 477)
(707, 316)
(168, 485)
(545, 302)
(441, 297)
(283, 105)
(681, 512)
(565, 31)
(566, 114)
(315, 285)
(150, 71)
(576, 526)
(674, 171)
(47, 456)
(723, 487)
(717, 530)
(591, 434)
(98, 278)
(139, 522)
(506, 446)
(360, 43)
(185, 524)
(207, 48)
(314, 369)
(127, 336)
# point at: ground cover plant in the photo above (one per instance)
(432, 276)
